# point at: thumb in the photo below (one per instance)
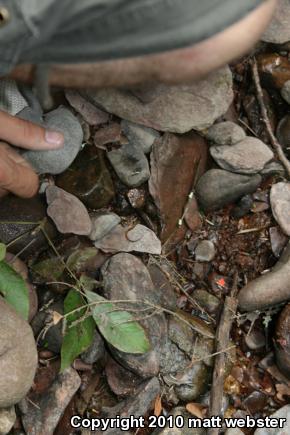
(25, 134)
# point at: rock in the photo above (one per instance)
(164, 291)
(110, 133)
(126, 278)
(278, 31)
(278, 241)
(67, 212)
(273, 168)
(130, 164)
(282, 341)
(285, 91)
(89, 179)
(283, 412)
(128, 239)
(243, 207)
(142, 137)
(234, 431)
(57, 161)
(274, 69)
(192, 382)
(7, 420)
(217, 188)
(255, 340)
(91, 114)
(102, 224)
(225, 133)
(122, 382)
(283, 133)
(18, 356)
(280, 203)
(191, 215)
(184, 430)
(177, 109)
(205, 251)
(246, 157)
(169, 190)
(137, 198)
(206, 300)
(27, 238)
(95, 352)
(269, 289)
(53, 336)
(44, 411)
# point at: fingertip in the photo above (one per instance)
(54, 138)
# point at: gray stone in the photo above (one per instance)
(255, 340)
(273, 168)
(205, 251)
(234, 431)
(18, 356)
(142, 137)
(269, 289)
(280, 203)
(283, 412)
(177, 109)
(102, 224)
(130, 164)
(206, 300)
(57, 161)
(285, 91)
(7, 420)
(95, 352)
(217, 188)
(278, 31)
(193, 382)
(246, 157)
(185, 430)
(225, 133)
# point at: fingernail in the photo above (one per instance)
(54, 138)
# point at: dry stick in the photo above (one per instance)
(222, 343)
(275, 144)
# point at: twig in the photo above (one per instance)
(274, 142)
(222, 343)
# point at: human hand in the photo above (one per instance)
(16, 175)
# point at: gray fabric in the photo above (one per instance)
(11, 100)
(49, 31)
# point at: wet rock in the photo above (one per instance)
(110, 133)
(49, 336)
(164, 290)
(89, 179)
(169, 191)
(130, 164)
(217, 188)
(128, 239)
(91, 114)
(67, 212)
(185, 430)
(95, 352)
(274, 69)
(24, 210)
(192, 383)
(282, 341)
(246, 157)
(278, 31)
(138, 405)
(57, 161)
(269, 289)
(125, 277)
(122, 382)
(45, 410)
(205, 251)
(255, 340)
(278, 241)
(7, 420)
(102, 224)
(225, 133)
(285, 91)
(283, 133)
(177, 109)
(18, 356)
(283, 412)
(280, 203)
(207, 301)
(142, 137)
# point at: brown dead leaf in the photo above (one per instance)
(56, 317)
(196, 409)
(158, 406)
(282, 391)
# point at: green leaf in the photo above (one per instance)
(2, 251)
(78, 337)
(14, 289)
(118, 327)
